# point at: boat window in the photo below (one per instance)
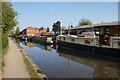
(87, 41)
(60, 38)
(119, 43)
(107, 31)
(65, 32)
(88, 30)
(97, 31)
(73, 32)
(101, 30)
(87, 34)
(115, 30)
(72, 40)
(64, 38)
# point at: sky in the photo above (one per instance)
(38, 14)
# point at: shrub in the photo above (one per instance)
(4, 40)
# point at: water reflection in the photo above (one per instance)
(102, 69)
(31, 45)
(62, 64)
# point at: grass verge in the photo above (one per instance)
(2, 64)
(33, 73)
(4, 48)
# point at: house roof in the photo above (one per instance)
(100, 24)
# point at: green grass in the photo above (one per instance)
(2, 64)
(4, 41)
(0, 50)
(30, 68)
(4, 48)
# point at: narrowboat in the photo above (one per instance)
(42, 39)
(97, 39)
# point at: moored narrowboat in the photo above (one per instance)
(97, 39)
(42, 39)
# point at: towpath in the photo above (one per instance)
(15, 66)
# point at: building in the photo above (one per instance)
(30, 31)
(48, 33)
(44, 30)
(37, 31)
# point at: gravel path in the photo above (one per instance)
(15, 66)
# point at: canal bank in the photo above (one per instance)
(18, 64)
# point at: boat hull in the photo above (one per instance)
(92, 50)
(42, 39)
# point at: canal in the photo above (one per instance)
(64, 64)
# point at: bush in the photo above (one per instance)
(4, 41)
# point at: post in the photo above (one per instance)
(69, 30)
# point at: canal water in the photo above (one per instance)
(61, 64)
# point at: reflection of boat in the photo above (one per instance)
(97, 39)
(39, 46)
(102, 69)
(48, 47)
(45, 47)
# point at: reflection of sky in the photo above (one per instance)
(57, 66)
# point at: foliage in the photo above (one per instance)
(11, 33)
(48, 30)
(4, 40)
(8, 17)
(56, 27)
(17, 31)
(84, 22)
(8, 22)
(41, 28)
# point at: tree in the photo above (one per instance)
(84, 22)
(58, 23)
(8, 17)
(41, 28)
(56, 27)
(17, 31)
(48, 30)
(8, 21)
